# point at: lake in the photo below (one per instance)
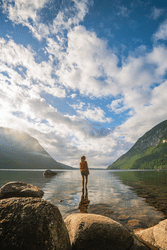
(133, 198)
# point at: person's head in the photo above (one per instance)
(83, 158)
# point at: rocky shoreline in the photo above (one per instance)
(33, 223)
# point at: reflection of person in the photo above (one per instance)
(84, 171)
(84, 203)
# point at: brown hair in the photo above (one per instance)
(83, 158)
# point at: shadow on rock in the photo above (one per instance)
(32, 223)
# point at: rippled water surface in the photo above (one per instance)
(106, 195)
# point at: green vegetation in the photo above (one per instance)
(154, 158)
(149, 152)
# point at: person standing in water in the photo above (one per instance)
(84, 171)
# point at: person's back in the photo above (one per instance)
(84, 166)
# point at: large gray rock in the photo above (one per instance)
(20, 189)
(32, 223)
(156, 236)
(96, 232)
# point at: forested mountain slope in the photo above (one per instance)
(149, 152)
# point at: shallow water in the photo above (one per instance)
(106, 195)
(151, 185)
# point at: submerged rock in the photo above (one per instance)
(49, 173)
(156, 236)
(20, 189)
(91, 231)
(138, 245)
(32, 223)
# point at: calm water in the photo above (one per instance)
(109, 193)
(151, 185)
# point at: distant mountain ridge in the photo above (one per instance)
(20, 150)
(149, 152)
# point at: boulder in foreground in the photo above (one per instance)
(20, 189)
(96, 232)
(156, 236)
(32, 223)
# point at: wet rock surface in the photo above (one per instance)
(20, 189)
(156, 236)
(138, 245)
(90, 231)
(31, 223)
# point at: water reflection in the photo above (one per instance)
(107, 193)
(150, 185)
(84, 202)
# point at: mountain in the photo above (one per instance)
(20, 150)
(149, 152)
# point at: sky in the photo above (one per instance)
(83, 77)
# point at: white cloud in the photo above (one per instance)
(145, 117)
(79, 106)
(12, 53)
(161, 32)
(73, 96)
(156, 13)
(87, 62)
(158, 58)
(70, 17)
(139, 92)
(124, 11)
(117, 106)
(21, 10)
(84, 63)
(22, 81)
(82, 9)
(54, 91)
(55, 48)
(137, 78)
(34, 109)
(95, 114)
(17, 56)
(28, 13)
(53, 135)
(91, 67)
(132, 82)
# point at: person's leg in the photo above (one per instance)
(83, 191)
(86, 180)
(82, 181)
(86, 194)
